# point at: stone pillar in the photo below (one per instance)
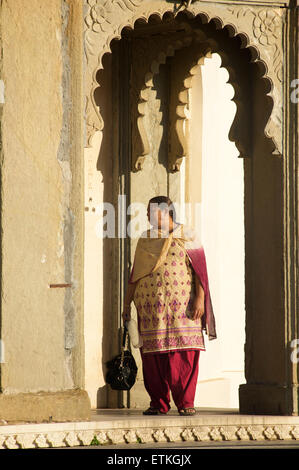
(271, 222)
(151, 181)
(41, 212)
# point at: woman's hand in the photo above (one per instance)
(198, 307)
(126, 314)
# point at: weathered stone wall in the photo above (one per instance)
(41, 192)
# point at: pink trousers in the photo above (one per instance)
(176, 371)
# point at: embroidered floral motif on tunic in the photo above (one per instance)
(164, 301)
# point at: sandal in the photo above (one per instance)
(187, 412)
(152, 411)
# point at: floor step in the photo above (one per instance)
(121, 427)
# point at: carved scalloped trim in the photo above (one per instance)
(101, 31)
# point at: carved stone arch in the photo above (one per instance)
(237, 55)
(263, 26)
(204, 43)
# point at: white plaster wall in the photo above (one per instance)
(222, 231)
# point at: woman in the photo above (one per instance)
(169, 286)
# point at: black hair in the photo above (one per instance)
(164, 200)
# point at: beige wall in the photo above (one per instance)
(42, 231)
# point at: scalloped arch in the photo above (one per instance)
(156, 55)
(179, 133)
(178, 144)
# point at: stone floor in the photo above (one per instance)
(128, 428)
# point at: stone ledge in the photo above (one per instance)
(68, 405)
(141, 430)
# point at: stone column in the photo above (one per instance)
(272, 259)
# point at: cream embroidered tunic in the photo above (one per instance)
(164, 300)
